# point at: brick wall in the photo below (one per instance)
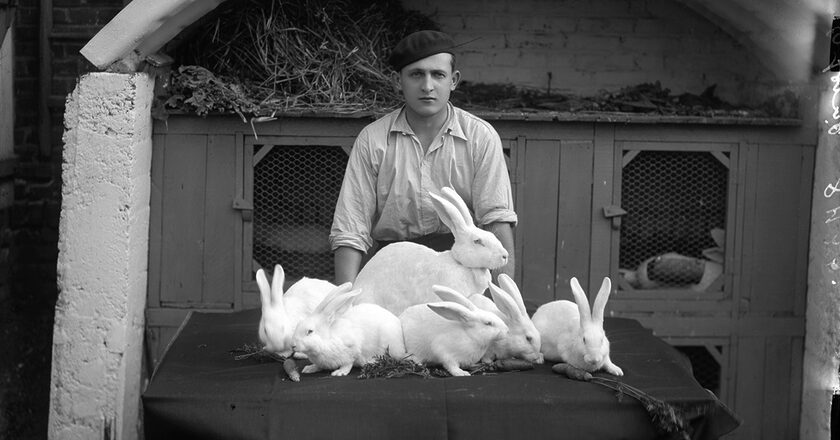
(27, 312)
(588, 46)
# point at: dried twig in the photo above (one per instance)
(254, 351)
(665, 417)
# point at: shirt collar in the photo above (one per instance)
(452, 124)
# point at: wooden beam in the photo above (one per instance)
(141, 28)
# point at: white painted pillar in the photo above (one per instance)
(103, 258)
(822, 332)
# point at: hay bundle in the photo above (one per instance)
(302, 55)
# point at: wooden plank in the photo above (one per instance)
(517, 153)
(538, 220)
(711, 133)
(749, 384)
(775, 229)
(338, 141)
(292, 126)
(718, 326)
(777, 382)
(245, 188)
(743, 294)
(683, 145)
(182, 234)
(220, 221)
(574, 210)
(243, 167)
(806, 183)
(618, 304)
(731, 244)
(606, 191)
(797, 347)
(544, 130)
(155, 220)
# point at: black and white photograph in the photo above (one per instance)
(392, 219)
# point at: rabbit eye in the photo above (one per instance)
(529, 339)
(490, 323)
(478, 242)
(309, 332)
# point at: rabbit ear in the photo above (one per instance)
(601, 301)
(338, 291)
(451, 311)
(459, 203)
(277, 286)
(505, 303)
(452, 295)
(507, 283)
(449, 215)
(265, 288)
(581, 300)
(340, 304)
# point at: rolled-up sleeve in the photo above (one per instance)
(491, 189)
(356, 206)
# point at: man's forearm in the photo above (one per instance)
(347, 261)
(504, 232)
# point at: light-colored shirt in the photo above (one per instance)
(384, 195)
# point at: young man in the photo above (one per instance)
(423, 146)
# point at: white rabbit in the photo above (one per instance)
(281, 313)
(339, 335)
(453, 334)
(402, 274)
(523, 340)
(571, 334)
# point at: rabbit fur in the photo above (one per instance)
(572, 334)
(402, 274)
(282, 312)
(523, 340)
(339, 335)
(453, 334)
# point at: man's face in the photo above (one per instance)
(427, 83)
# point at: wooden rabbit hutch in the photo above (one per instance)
(598, 195)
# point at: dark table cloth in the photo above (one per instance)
(200, 391)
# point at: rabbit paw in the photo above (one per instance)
(311, 368)
(343, 370)
(455, 370)
(613, 369)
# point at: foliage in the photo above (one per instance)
(303, 55)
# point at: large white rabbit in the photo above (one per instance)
(572, 334)
(453, 334)
(402, 274)
(338, 335)
(281, 313)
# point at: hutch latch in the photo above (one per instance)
(614, 213)
(246, 207)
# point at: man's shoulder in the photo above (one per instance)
(382, 125)
(469, 120)
(472, 124)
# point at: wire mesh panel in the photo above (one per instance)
(672, 236)
(295, 191)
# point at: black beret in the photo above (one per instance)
(419, 45)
